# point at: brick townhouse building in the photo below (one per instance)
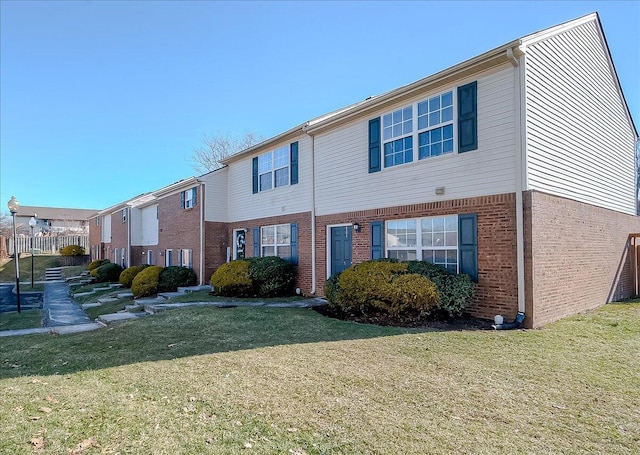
(516, 167)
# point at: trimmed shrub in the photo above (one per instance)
(128, 274)
(97, 263)
(174, 276)
(146, 281)
(332, 288)
(108, 272)
(232, 279)
(272, 276)
(413, 296)
(455, 291)
(367, 287)
(72, 250)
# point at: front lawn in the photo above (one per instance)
(27, 319)
(290, 381)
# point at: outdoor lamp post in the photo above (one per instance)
(32, 224)
(13, 205)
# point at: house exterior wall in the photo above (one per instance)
(216, 185)
(217, 239)
(343, 183)
(95, 238)
(178, 228)
(303, 221)
(289, 199)
(497, 291)
(144, 225)
(119, 238)
(579, 137)
(577, 256)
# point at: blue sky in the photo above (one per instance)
(102, 101)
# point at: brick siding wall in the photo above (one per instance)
(577, 257)
(497, 266)
(178, 229)
(304, 242)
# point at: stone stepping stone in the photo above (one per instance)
(90, 305)
(82, 294)
(188, 289)
(168, 295)
(107, 300)
(114, 317)
(124, 295)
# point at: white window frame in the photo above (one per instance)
(267, 166)
(149, 257)
(275, 244)
(186, 258)
(419, 248)
(189, 197)
(387, 137)
(168, 257)
(123, 215)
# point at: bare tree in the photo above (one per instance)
(6, 224)
(207, 156)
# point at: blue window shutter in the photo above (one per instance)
(377, 240)
(468, 244)
(255, 175)
(468, 117)
(181, 199)
(294, 243)
(195, 196)
(293, 150)
(375, 161)
(256, 242)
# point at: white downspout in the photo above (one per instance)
(201, 254)
(313, 214)
(520, 162)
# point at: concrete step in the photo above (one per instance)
(107, 300)
(114, 317)
(53, 274)
(187, 289)
(125, 295)
(168, 295)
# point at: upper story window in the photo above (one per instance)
(123, 215)
(439, 125)
(276, 168)
(435, 123)
(273, 168)
(98, 220)
(189, 198)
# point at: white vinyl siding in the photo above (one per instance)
(580, 144)
(243, 205)
(144, 226)
(215, 188)
(106, 229)
(343, 183)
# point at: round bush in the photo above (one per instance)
(367, 287)
(128, 274)
(97, 263)
(72, 250)
(232, 279)
(455, 291)
(332, 288)
(146, 281)
(272, 276)
(413, 296)
(108, 272)
(173, 277)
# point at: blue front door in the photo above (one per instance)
(340, 248)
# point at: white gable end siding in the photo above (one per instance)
(580, 144)
(106, 229)
(215, 187)
(344, 184)
(244, 205)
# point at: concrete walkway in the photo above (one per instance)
(60, 308)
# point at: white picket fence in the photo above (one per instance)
(48, 245)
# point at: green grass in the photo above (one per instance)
(40, 264)
(210, 380)
(25, 320)
(205, 296)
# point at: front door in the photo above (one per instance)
(340, 248)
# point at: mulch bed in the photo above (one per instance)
(465, 322)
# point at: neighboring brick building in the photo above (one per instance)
(516, 167)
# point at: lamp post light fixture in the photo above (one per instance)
(32, 224)
(14, 205)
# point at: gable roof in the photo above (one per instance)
(56, 213)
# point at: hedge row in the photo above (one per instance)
(412, 289)
(268, 276)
